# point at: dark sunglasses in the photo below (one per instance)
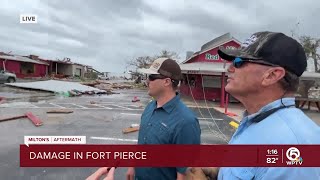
(153, 77)
(239, 62)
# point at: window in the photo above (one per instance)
(212, 81)
(26, 68)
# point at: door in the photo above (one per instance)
(78, 72)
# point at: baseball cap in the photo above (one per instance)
(271, 47)
(166, 67)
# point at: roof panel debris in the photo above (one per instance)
(57, 86)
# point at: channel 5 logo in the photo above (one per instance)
(293, 154)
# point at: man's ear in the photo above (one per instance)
(167, 82)
(273, 75)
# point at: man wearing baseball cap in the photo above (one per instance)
(165, 120)
(263, 76)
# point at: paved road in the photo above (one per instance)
(102, 123)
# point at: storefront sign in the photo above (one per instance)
(216, 56)
(212, 57)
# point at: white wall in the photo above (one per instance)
(74, 69)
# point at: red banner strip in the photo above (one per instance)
(169, 155)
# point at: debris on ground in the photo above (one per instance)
(2, 100)
(35, 120)
(73, 89)
(104, 87)
(63, 111)
(12, 118)
(121, 86)
(107, 85)
(92, 83)
(314, 92)
(64, 88)
(135, 99)
(75, 92)
(132, 128)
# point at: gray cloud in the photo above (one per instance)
(105, 34)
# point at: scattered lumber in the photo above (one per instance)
(62, 111)
(130, 129)
(12, 118)
(35, 120)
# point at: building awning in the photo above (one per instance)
(218, 68)
(203, 68)
(22, 59)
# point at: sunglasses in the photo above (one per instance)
(153, 77)
(239, 62)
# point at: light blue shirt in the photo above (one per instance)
(285, 126)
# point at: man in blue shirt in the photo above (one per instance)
(264, 76)
(166, 120)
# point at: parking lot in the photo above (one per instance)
(100, 118)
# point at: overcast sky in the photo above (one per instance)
(105, 33)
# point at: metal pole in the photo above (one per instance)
(222, 90)
(227, 102)
(4, 65)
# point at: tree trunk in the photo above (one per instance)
(315, 61)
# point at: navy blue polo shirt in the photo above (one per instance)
(173, 123)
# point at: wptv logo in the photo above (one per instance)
(293, 154)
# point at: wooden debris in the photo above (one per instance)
(92, 84)
(2, 100)
(130, 129)
(75, 93)
(12, 118)
(102, 82)
(64, 111)
(135, 99)
(35, 120)
(121, 86)
(105, 87)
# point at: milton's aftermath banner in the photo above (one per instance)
(86, 155)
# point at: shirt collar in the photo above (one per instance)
(170, 105)
(288, 101)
